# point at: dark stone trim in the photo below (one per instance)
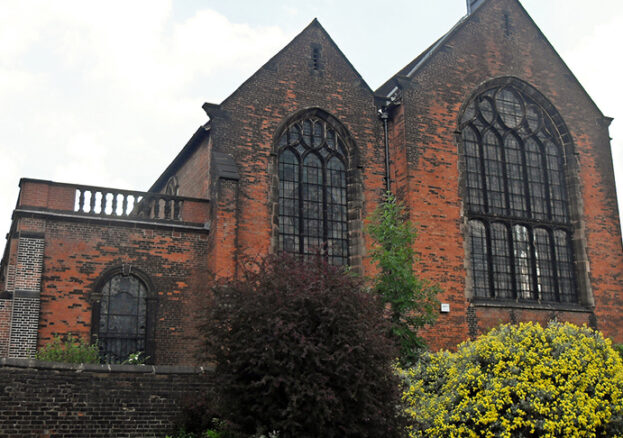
(6, 295)
(111, 369)
(29, 235)
(26, 294)
(225, 166)
(111, 220)
(558, 307)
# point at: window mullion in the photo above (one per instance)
(325, 220)
(526, 183)
(301, 218)
(511, 250)
(552, 249)
(488, 240)
(535, 278)
(483, 172)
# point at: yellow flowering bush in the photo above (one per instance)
(519, 381)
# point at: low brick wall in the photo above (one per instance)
(57, 400)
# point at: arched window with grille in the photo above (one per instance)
(123, 317)
(515, 193)
(313, 196)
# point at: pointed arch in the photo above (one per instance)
(517, 202)
(318, 196)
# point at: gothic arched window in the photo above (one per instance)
(516, 199)
(120, 318)
(313, 201)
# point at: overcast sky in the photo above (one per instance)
(107, 93)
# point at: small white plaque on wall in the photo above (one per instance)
(445, 308)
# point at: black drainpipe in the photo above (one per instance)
(384, 115)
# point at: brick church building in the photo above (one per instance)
(501, 157)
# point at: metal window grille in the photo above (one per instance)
(123, 311)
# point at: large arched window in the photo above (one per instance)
(313, 202)
(120, 317)
(516, 199)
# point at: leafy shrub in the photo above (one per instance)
(411, 301)
(71, 349)
(519, 381)
(300, 350)
(618, 348)
(137, 358)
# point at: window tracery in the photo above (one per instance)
(313, 202)
(515, 199)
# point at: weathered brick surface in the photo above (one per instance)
(77, 253)
(498, 41)
(24, 325)
(247, 127)
(501, 40)
(44, 399)
(6, 307)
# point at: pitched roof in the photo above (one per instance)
(388, 88)
(411, 68)
(314, 23)
(187, 151)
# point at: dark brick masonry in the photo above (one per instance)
(54, 400)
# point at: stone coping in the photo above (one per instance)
(106, 368)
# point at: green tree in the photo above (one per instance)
(410, 300)
(519, 381)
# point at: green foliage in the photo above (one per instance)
(300, 350)
(411, 300)
(519, 381)
(618, 348)
(137, 358)
(72, 349)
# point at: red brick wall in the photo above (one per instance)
(78, 252)
(482, 49)
(249, 120)
(5, 325)
(193, 176)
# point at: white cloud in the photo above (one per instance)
(105, 93)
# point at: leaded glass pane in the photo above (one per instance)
(523, 262)
(475, 195)
(518, 180)
(533, 117)
(313, 213)
(122, 318)
(289, 202)
(546, 286)
(514, 169)
(558, 196)
(536, 180)
(564, 267)
(337, 237)
(486, 110)
(480, 264)
(509, 107)
(502, 262)
(312, 204)
(494, 174)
